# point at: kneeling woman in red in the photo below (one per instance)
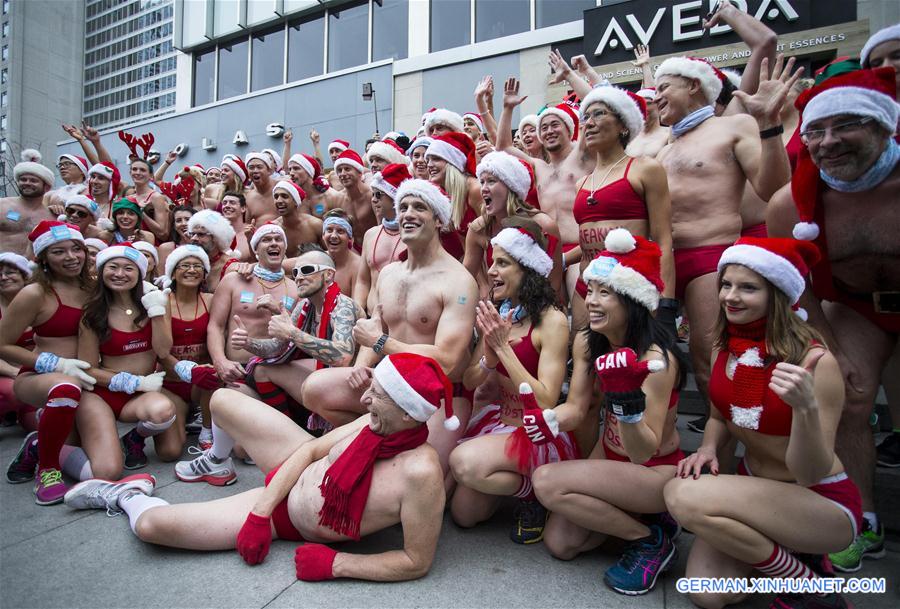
(779, 392)
(124, 331)
(637, 451)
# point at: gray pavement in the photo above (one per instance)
(57, 557)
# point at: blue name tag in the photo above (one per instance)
(60, 232)
(132, 254)
(13, 215)
(288, 302)
(247, 296)
(604, 265)
(319, 209)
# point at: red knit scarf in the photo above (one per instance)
(345, 486)
(747, 343)
(331, 297)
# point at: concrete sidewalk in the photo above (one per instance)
(57, 557)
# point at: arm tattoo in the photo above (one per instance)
(330, 352)
(272, 347)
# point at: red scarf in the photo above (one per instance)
(747, 343)
(345, 486)
(331, 297)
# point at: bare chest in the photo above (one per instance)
(412, 304)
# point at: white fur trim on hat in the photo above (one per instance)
(31, 164)
(695, 70)
(430, 194)
(99, 244)
(402, 392)
(345, 161)
(143, 246)
(622, 279)
(82, 166)
(266, 229)
(385, 151)
(186, 251)
(18, 261)
(857, 101)
(123, 251)
(442, 116)
(448, 152)
(290, 188)
(524, 250)
(564, 117)
(228, 161)
(420, 141)
(55, 235)
(475, 118)
(217, 225)
(261, 157)
(101, 170)
(529, 119)
(891, 32)
(304, 163)
(508, 169)
(647, 93)
(383, 185)
(275, 157)
(336, 145)
(85, 202)
(778, 270)
(620, 103)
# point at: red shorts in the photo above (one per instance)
(671, 459)
(757, 230)
(581, 288)
(838, 489)
(115, 399)
(281, 520)
(567, 247)
(694, 262)
(179, 388)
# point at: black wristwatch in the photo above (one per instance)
(669, 303)
(378, 347)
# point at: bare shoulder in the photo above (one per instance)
(477, 225)
(421, 467)
(31, 294)
(554, 320)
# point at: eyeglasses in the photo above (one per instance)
(187, 266)
(198, 235)
(64, 164)
(596, 115)
(814, 136)
(310, 269)
(75, 213)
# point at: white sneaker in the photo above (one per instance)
(99, 494)
(204, 469)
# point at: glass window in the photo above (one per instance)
(348, 37)
(4, 55)
(498, 18)
(4, 75)
(268, 60)
(3, 99)
(226, 14)
(6, 29)
(390, 22)
(3, 122)
(204, 77)
(449, 24)
(306, 48)
(260, 10)
(233, 69)
(295, 5)
(193, 22)
(554, 12)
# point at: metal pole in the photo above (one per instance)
(375, 102)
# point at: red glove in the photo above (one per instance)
(254, 539)
(314, 562)
(205, 377)
(540, 425)
(621, 376)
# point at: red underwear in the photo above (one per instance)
(179, 388)
(671, 459)
(757, 230)
(694, 262)
(284, 528)
(115, 399)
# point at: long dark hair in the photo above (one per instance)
(96, 309)
(176, 236)
(536, 294)
(642, 332)
(43, 276)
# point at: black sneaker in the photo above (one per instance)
(810, 601)
(195, 425)
(888, 452)
(530, 518)
(25, 464)
(698, 424)
(133, 447)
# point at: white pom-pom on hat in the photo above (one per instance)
(30, 155)
(806, 231)
(655, 365)
(452, 424)
(619, 241)
(525, 388)
(105, 224)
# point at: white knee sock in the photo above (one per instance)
(146, 429)
(75, 463)
(135, 504)
(222, 443)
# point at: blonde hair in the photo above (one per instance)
(514, 207)
(458, 189)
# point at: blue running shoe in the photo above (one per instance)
(641, 564)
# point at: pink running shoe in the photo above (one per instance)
(49, 488)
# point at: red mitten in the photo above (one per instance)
(314, 562)
(205, 377)
(254, 539)
(540, 425)
(621, 376)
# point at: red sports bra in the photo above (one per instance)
(526, 354)
(615, 201)
(62, 324)
(190, 333)
(772, 418)
(127, 343)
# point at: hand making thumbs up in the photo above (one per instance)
(367, 331)
(795, 384)
(240, 338)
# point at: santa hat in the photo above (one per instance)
(275, 157)
(269, 228)
(631, 109)
(695, 69)
(309, 164)
(351, 158)
(866, 93)
(630, 265)
(341, 145)
(186, 251)
(31, 164)
(217, 225)
(529, 119)
(123, 250)
(648, 94)
(97, 244)
(386, 149)
(80, 162)
(521, 246)
(236, 165)
(784, 262)
(297, 193)
(566, 113)
(508, 169)
(433, 196)
(48, 232)
(388, 180)
(147, 248)
(17, 261)
(475, 118)
(892, 32)
(420, 141)
(107, 170)
(456, 148)
(260, 156)
(442, 116)
(82, 201)
(417, 384)
(733, 76)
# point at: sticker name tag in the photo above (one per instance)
(13, 216)
(288, 302)
(247, 296)
(132, 254)
(60, 232)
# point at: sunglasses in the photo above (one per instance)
(310, 269)
(74, 213)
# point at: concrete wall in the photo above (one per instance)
(881, 13)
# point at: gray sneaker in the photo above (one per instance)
(99, 494)
(206, 469)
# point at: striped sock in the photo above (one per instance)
(525, 491)
(273, 395)
(784, 564)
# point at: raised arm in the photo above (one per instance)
(762, 41)
(484, 102)
(94, 136)
(563, 72)
(511, 99)
(642, 61)
(286, 147)
(580, 64)
(89, 152)
(160, 173)
(340, 349)
(317, 151)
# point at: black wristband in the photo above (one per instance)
(626, 403)
(771, 132)
(671, 304)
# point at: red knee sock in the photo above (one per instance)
(273, 395)
(525, 491)
(56, 423)
(784, 564)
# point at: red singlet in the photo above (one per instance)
(615, 201)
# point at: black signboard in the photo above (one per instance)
(670, 26)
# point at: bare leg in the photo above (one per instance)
(327, 393)
(481, 464)
(291, 376)
(96, 425)
(469, 507)
(702, 308)
(706, 561)
(445, 441)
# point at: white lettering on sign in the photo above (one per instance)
(274, 129)
(645, 35)
(613, 26)
(181, 149)
(240, 138)
(784, 6)
(153, 156)
(208, 144)
(678, 34)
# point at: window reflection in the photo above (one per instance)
(306, 48)
(232, 69)
(348, 38)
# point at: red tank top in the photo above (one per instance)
(127, 343)
(615, 201)
(62, 324)
(189, 337)
(525, 353)
(773, 418)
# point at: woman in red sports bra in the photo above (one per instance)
(631, 193)
(777, 390)
(526, 341)
(124, 332)
(15, 272)
(50, 376)
(505, 182)
(156, 217)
